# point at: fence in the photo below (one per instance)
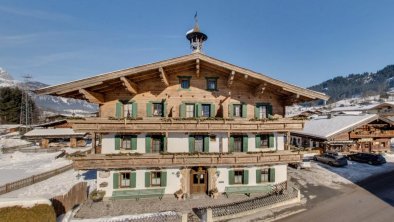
(76, 195)
(32, 180)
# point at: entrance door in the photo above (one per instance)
(199, 181)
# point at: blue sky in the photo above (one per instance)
(302, 42)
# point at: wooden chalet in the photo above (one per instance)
(346, 133)
(189, 124)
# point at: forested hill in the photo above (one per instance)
(353, 85)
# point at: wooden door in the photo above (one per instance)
(199, 181)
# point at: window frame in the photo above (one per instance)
(157, 138)
(266, 111)
(184, 78)
(122, 138)
(214, 80)
(264, 137)
(265, 175)
(209, 110)
(121, 179)
(240, 110)
(130, 111)
(152, 173)
(194, 110)
(242, 175)
(161, 110)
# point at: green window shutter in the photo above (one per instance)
(116, 180)
(164, 143)
(197, 110)
(163, 179)
(231, 177)
(133, 179)
(258, 176)
(213, 110)
(165, 109)
(206, 144)
(133, 142)
(230, 111)
(117, 142)
(246, 177)
(182, 110)
(134, 112)
(231, 144)
(118, 110)
(256, 112)
(149, 109)
(271, 141)
(272, 174)
(147, 179)
(258, 141)
(269, 109)
(244, 110)
(191, 144)
(148, 144)
(245, 143)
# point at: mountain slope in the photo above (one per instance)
(358, 85)
(53, 104)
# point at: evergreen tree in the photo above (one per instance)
(10, 106)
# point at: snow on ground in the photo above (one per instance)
(57, 185)
(4, 143)
(323, 174)
(125, 218)
(19, 165)
(23, 202)
(70, 150)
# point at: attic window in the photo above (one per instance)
(212, 83)
(184, 82)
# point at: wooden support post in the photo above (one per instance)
(246, 76)
(93, 142)
(92, 97)
(73, 142)
(230, 79)
(288, 139)
(130, 86)
(163, 77)
(44, 143)
(198, 68)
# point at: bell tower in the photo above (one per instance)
(195, 37)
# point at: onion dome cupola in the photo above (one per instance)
(196, 37)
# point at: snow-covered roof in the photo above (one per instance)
(53, 132)
(324, 127)
(362, 107)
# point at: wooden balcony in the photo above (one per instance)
(375, 134)
(102, 161)
(157, 125)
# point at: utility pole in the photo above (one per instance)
(26, 106)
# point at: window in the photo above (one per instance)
(199, 144)
(124, 179)
(265, 175)
(262, 112)
(237, 144)
(264, 141)
(157, 109)
(127, 110)
(125, 142)
(184, 81)
(237, 112)
(189, 110)
(157, 144)
(206, 110)
(155, 179)
(212, 84)
(238, 176)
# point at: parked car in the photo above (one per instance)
(332, 159)
(370, 158)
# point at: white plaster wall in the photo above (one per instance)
(177, 142)
(280, 141)
(173, 182)
(222, 181)
(214, 146)
(108, 144)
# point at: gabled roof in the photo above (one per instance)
(326, 128)
(191, 61)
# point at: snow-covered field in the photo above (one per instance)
(19, 165)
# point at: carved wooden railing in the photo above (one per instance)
(157, 125)
(376, 134)
(102, 161)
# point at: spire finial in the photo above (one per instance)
(196, 37)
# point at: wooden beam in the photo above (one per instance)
(230, 79)
(260, 89)
(130, 86)
(92, 97)
(246, 76)
(163, 76)
(198, 68)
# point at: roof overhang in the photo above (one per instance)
(91, 88)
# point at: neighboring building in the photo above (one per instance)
(55, 137)
(383, 109)
(193, 123)
(346, 133)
